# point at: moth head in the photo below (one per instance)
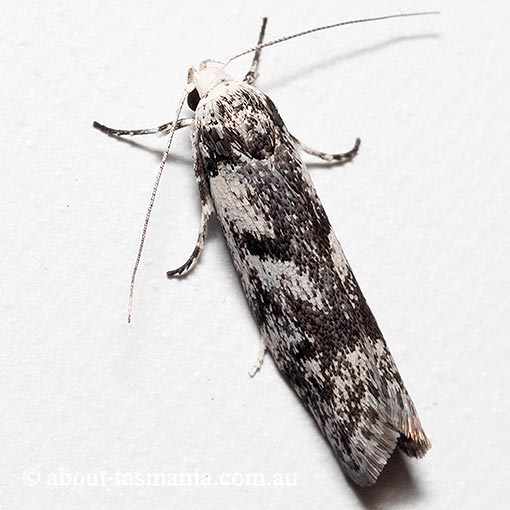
(210, 73)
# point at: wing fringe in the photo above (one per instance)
(394, 423)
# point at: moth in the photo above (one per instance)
(312, 315)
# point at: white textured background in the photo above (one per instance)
(422, 213)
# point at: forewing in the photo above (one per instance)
(301, 290)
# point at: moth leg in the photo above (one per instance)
(192, 260)
(340, 158)
(162, 130)
(252, 74)
(260, 358)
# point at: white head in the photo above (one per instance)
(210, 73)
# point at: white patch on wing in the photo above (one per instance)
(230, 196)
(285, 274)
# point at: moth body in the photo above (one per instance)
(312, 315)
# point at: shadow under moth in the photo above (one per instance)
(312, 316)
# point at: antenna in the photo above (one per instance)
(326, 27)
(151, 203)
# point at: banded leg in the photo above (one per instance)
(260, 358)
(252, 74)
(192, 260)
(162, 130)
(340, 158)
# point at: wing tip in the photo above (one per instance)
(408, 436)
(413, 441)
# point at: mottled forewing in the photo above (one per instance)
(298, 283)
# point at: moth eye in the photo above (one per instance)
(193, 99)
